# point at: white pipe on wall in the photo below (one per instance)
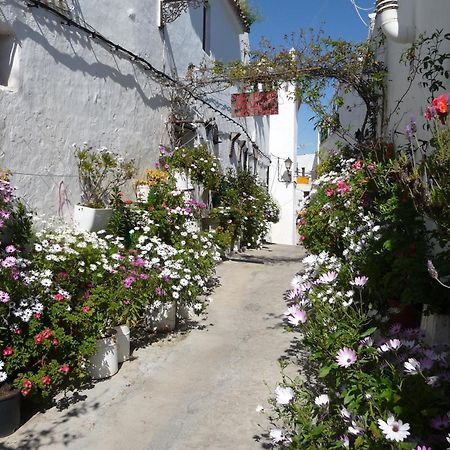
(387, 10)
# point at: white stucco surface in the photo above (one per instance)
(66, 88)
(426, 18)
(283, 145)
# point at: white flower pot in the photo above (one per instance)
(184, 312)
(142, 191)
(123, 343)
(91, 219)
(437, 328)
(183, 181)
(104, 363)
(161, 316)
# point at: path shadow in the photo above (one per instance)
(50, 436)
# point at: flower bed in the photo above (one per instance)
(61, 289)
(369, 381)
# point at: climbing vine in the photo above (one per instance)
(311, 62)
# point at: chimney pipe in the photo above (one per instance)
(387, 10)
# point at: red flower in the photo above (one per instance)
(64, 369)
(86, 309)
(38, 338)
(342, 187)
(27, 384)
(58, 297)
(37, 315)
(55, 342)
(302, 238)
(357, 165)
(25, 392)
(46, 333)
(18, 331)
(330, 192)
(46, 380)
(441, 104)
(8, 351)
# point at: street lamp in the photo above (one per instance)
(288, 165)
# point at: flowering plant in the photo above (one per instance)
(428, 178)
(201, 166)
(153, 177)
(368, 375)
(100, 172)
(362, 212)
(244, 208)
(51, 329)
(15, 219)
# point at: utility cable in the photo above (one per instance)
(134, 58)
(358, 9)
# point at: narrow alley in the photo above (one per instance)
(190, 390)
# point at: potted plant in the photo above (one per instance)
(100, 172)
(122, 297)
(152, 177)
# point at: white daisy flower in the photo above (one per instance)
(394, 430)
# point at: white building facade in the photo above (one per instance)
(402, 22)
(283, 148)
(108, 73)
(305, 175)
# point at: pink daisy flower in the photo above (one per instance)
(328, 277)
(359, 281)
(346, 357)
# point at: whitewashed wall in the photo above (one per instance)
(70, 89)
(283, 145)
(309, 163)
(65, 88)
(427, 17)
(226, 42)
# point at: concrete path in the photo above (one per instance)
(189, 391)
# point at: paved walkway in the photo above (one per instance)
(190, 391)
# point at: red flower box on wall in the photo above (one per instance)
(254, 104)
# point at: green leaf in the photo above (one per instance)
(387, 245)
(324, 371)
(369, 332)
(348, 398)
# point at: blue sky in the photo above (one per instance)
(338, 19)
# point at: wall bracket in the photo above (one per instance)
(170, 10)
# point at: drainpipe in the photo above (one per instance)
(387, 10)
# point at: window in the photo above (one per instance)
(8, 57)
(303, 171)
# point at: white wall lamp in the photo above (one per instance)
(387, 11)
